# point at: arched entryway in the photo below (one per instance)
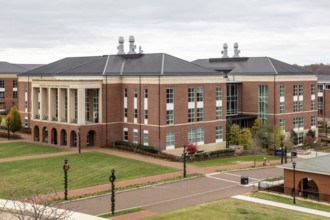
(308, 188)
(36, 133)
(73, 141)
(63, 137)
(54, 136)
(44, 135)
(91, 138)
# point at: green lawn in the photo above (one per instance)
(16, 149)
(326, 150)
(286, 200)
(232, 160)
(229, 209)
(86, 169)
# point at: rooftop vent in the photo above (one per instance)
(140, 49)
(132, 47)
(225, 51)
(236, 50)
(121, 46)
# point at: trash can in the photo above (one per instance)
(244, 180)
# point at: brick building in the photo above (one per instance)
(8, 83)
(267, 88)
(311, 178)
(324, 98)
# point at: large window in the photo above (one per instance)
(191, 135)
(145, 139)
(218, 133)
(282, 107)
(219, 93)
(295, 90)
(169, 117)
(14, 94)
(313, 121)
(320, 88)
(298, 122)
(200, 135)
(135, 137)
(170, 139)
(282, 91)
(313, 104)
(191, 115)
(200, 114)
(2, 84)
(96, 105)
(282, 124)
(313, 90)
(14, 83)
(191, 95)
(320, 105)
(295, 106)
(263, 102)
(169, 96)
(218, 112)
(300, 137)
(199, 94)
(232, 99)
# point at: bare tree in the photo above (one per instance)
(36, 206)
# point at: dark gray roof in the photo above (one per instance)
(320, 165)
(252, 66)
(10, 68)
(323, 78)
(134, 64)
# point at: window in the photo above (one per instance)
(86, 104)
(125, 112)
(170, 139)
(232, 99)
(218, 112)
(125, 135)
(169, 117)
(218, 133)
(200, 114)
(298, 122)
(313, 104)
(96, 105)
(146, 138)
(313, 121)
(320, 105)
(191, 95)
(2, 106)
(26, 106)
(295, 106)
(191, 135)
(191, 115)
(263, 102)
(199, 94)
(146, 114)
(282, 90)
(26, 123)
(14, 83)
(2, 84)
(320, 88)
(301, 90)
(135, 136)
(282, 108)
(135, 93)
(300, 137)
(2, 95)
(219, 93)
(313, 89)
(76, 105)
(200, 135)
(125, 93)
(146, 93)
(282, 124)
(295, 90)
(169, 96)
(135, 113)
(301, 105)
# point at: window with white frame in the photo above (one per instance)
(191, 114)
(169, 96)
(301, 105)
(320, 87)
(199, 94)
(2, 95)
(14, 83)
(191, 95)
(218, 112)
(146, 93)
(301, 90)
(295, 106)
(125, 136)
(125, 92)
(313, 104)
(282, 91)
(200, 114)
(191, 135)
(169, 117)
(135, 113)
(282, 124)
(125, 112)
(313, 89)
(313, 121)
(300, 137)
(263, 102)
(145, 138)
(200, 135)
(295, 90)
(146, 114)
(135, 136)
(282, 107)
(26, 124)
(2, 84)
(218, 93)
(218, 133)
(135, 93)
(170, 139)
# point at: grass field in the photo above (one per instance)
(86, 169)
(229, 209)
(16, 149)
(232, 160)
(286, 200)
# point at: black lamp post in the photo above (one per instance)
(184, 157)
(294, 182)
(8, 126)
(282, 151)
(66, 168)
(79, 147)
(112, 179)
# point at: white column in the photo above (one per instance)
(81, 106)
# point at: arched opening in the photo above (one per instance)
(91, 138)
(73, 141)
(44, 135)
(54, 136)
(308, 188)
(36, 133)
(63, 137)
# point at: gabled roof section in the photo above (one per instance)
(319, 165)
(252, 66)
(127, 64)
(9, 68)
(323, 78)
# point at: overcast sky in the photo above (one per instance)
(39, 31)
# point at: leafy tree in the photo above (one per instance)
(234, 134)
(245, 138)
(288, 144)
(294, 137)
(15, 120)
(276, 136)
(228, 127)
(191, 149)
(256, 127)
(309, 138)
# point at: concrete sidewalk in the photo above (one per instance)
(283, 206)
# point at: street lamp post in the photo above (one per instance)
(66, 168)
(184, 157)
(79, 147)
(294, 182)
(282, 152)
(112, 179)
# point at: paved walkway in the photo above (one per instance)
(283, 206)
